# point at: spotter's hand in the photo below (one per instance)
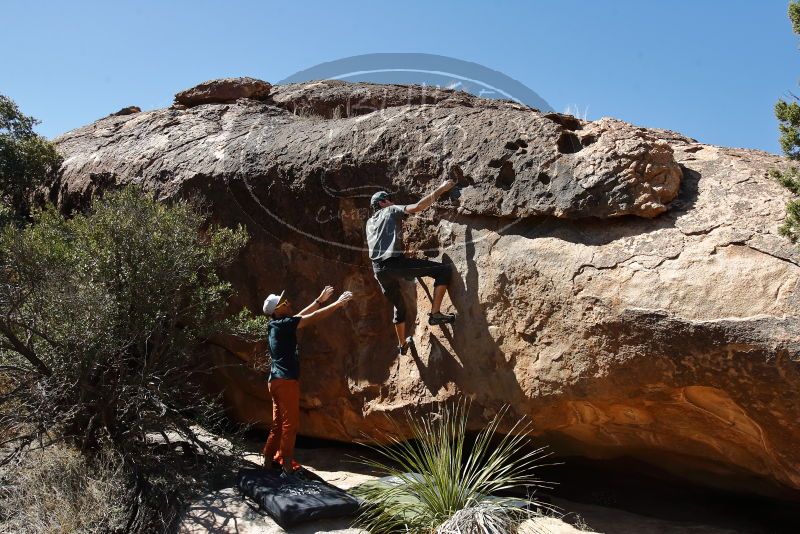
(344, 297)
(326, 294)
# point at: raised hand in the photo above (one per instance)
(325, 295)
(446, 186)
(344, 297)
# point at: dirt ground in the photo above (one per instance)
(227, 512)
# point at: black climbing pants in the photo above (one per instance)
(389, 272)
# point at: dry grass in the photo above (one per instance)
(56, 490)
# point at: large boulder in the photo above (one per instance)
(624, 287)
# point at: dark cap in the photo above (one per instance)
(377, 197)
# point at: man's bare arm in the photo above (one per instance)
(315, 316)
(314, 306)
(428, 200)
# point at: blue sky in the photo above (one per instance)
(709, 69)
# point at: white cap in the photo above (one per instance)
(271, 302)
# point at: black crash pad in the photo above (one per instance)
(306, 498)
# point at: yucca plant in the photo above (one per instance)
(439, 484)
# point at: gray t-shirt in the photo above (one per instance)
(383, 233)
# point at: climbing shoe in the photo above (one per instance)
(277, 462)
(403, 349)
(441, 318)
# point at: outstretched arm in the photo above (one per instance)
(313, 317)
(314, 306)
(428, 200)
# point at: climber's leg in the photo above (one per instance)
(400, 330)
(441, 274)
(438, 295)
(390, 285)
(389, 275)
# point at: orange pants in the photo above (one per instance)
(285, 418)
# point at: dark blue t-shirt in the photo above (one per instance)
(282, 336)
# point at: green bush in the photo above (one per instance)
(26, 160)
(441, 484)
(101, 316)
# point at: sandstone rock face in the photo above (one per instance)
(624, 287)
(223, 90)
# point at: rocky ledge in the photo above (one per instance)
(624, 287)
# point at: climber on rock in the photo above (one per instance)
(284, 385)
(390, 264)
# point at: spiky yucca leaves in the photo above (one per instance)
(483, 518)
(437, 475)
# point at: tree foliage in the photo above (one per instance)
(101, 316)
(788, 114)
(26, 160)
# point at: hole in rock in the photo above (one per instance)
(495, 163)
(506, 176)
(588, 140)
(569, 143)
(514, 145)
(544, 178)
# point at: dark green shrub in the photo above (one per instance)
(101, 316)
(788, 114)
(26, 160)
